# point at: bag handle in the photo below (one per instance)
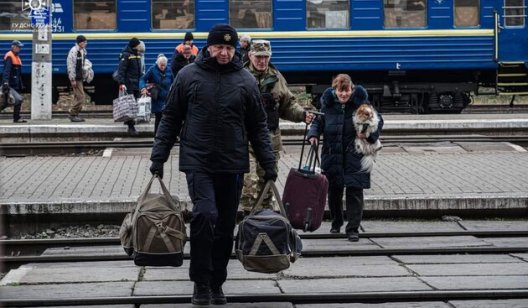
(269, 185)
(312, 159)
(165, 191)
(303, 143)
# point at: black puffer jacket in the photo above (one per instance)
(218, 110)
(339, 158)
(129, 71)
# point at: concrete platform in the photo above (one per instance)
(107, 129)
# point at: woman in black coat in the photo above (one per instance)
(339, 160)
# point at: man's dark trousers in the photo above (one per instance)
(215, 200)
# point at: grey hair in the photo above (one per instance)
(141, 47)
(161, 59)
(245, 37)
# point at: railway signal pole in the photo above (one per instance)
(41, 69)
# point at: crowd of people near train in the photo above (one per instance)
(224, 103)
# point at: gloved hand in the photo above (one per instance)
(122, 87)
(270, 174)
(157, 168)
(5, 87)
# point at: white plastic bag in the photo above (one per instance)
(144, 106)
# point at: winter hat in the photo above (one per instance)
(133, 42)
(80, 39)
(188, 37)
(222, 34)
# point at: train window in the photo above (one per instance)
(250, 14)
(13, 17)
(467, 13)
(173, 14)
(327, 14)
(514, 14)
(94, 15)
(405, 13)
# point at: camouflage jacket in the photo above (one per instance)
(273, 82)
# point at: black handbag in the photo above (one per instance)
(154, 92)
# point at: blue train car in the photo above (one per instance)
(412, 55)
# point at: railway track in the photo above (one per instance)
(271, 300)
(314, 298)
(18, 252)
(77, 147)
(105, 111)
(37, 246)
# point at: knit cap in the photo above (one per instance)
(222, 34)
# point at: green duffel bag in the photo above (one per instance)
(154, 232)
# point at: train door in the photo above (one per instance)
(512, 35)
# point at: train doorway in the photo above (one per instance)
(512, 34)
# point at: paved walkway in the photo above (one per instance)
(434, 177)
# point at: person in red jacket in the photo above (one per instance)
(12, 78)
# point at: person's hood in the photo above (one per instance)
(329, 96)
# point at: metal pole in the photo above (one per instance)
(41, 79)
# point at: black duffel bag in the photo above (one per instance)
(266, 242)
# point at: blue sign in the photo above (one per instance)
(40, 17)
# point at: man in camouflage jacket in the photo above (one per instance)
(278, 102)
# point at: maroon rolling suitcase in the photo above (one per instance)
(305, 193)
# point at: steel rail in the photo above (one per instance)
(99, 145)
(294, 298)
(10, 261)
(115, 240)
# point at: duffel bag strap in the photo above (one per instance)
(269, 185)
(164, 234)
(263, 237)
(175, 233)
(150, 237)
(167, 241)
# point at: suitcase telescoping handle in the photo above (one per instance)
(312, 158)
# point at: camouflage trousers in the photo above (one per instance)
(254, 183)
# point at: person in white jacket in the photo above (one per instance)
(75, 62)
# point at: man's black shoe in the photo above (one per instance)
(335, 230)
(217, 296)
(353, 237)
(132, 132)
(201, 295)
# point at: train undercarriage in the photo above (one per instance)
(418, 92)
(415, 92)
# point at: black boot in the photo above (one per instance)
(217, 296)
(201, 294)
(132, 132)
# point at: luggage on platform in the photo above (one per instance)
(154, 232)
(266, 242)
(305, 192)
(125, 107)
